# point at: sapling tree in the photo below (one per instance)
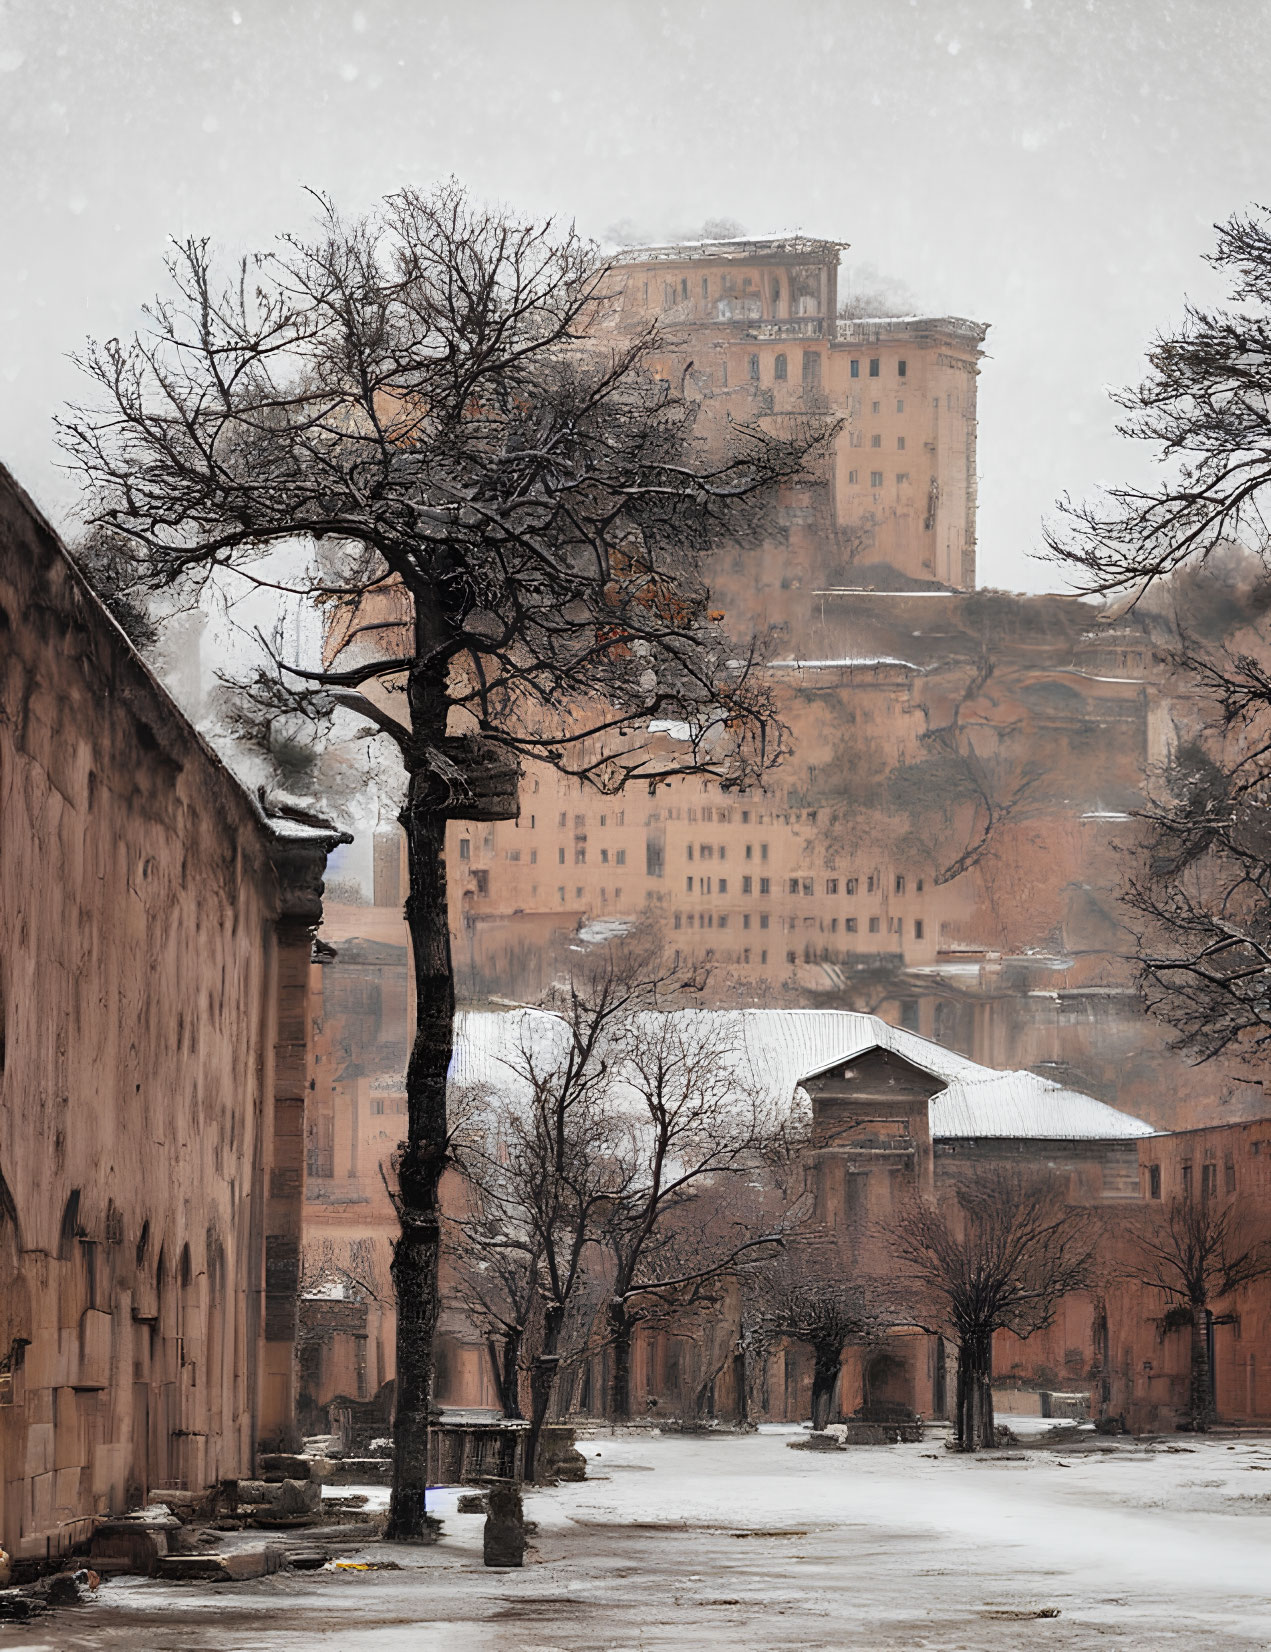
(515, 517)
(999, 1255)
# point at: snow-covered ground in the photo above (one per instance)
(740, 1543)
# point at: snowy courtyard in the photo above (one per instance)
(739, 1542)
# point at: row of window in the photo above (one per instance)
(876, 478)
(875, 367)
(719, 920)
(1208, 1179)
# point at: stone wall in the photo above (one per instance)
(154, 942)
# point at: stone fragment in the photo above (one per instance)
(235, 1567)
(504, 1538)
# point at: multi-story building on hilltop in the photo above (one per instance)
(753, 326)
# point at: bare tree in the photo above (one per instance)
(424, 391)
(1197, 1251)
(694, 1138)
(802, 1295)
(1203, 407)
(1201, 886)
(999, 1255)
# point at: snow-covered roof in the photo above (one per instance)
(782, 1048)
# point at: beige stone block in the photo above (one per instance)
(67, 1444)
(40, 1450)
(95, 1339)
(39, 1520)
(66, 1493)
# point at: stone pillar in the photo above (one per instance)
(299, 855)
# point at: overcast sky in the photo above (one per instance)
(1052, 167)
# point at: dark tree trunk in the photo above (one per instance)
(1200, 1386)
(974, 1421)
(423, 1156)
(505, 1361)
(543, 1371)
(825, 1374)
(621, 1328)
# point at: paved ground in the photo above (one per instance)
(743, 1544)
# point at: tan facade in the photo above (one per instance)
(751, 327)
(154, 943)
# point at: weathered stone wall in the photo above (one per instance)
(140, 969)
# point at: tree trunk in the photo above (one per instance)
(543, 1371)
(621, 1329)
(1200, 1387)
(974, 1423)
(505, 1361)
(422, 1158)
(825, 1374)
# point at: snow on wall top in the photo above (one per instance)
(782, 1048)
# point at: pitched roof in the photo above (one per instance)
(782, 1048)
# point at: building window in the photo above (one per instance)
(560, 857)
(831, 886)
(580, 857)
(1187, 1181)
(855, 369)
(688, 886)
(684, 286)
(876, 441)
(679, 921)
(918, 886)
(876, 478)
(849, 926)
(533, 857)
(853, 477)
(873, 926)
(776, 292)
(1208, 1181)
(563, 821)
(604, 857)
(561, 893)
(1229, 1174)
(465, 848)
(902, 367)
(723, 919)
(763, 851)
(873, 367)
(745, 920)
(765, 886)
(779, 367)
(482, 880)
(750, 848)
(620, 857)
(706, 288)
(723, 886)
(811, 369)
(578, 894)
(1154, 1181)
(900, 883)
(754, 369)
(834, 926)
(763, 920)
(900, 444)
(807, 886)
(747, 886)
(849, 886)
(902, 476)
(917, 929)
(792, 957)
(869, 884)
(900, 407)
(794, 886)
